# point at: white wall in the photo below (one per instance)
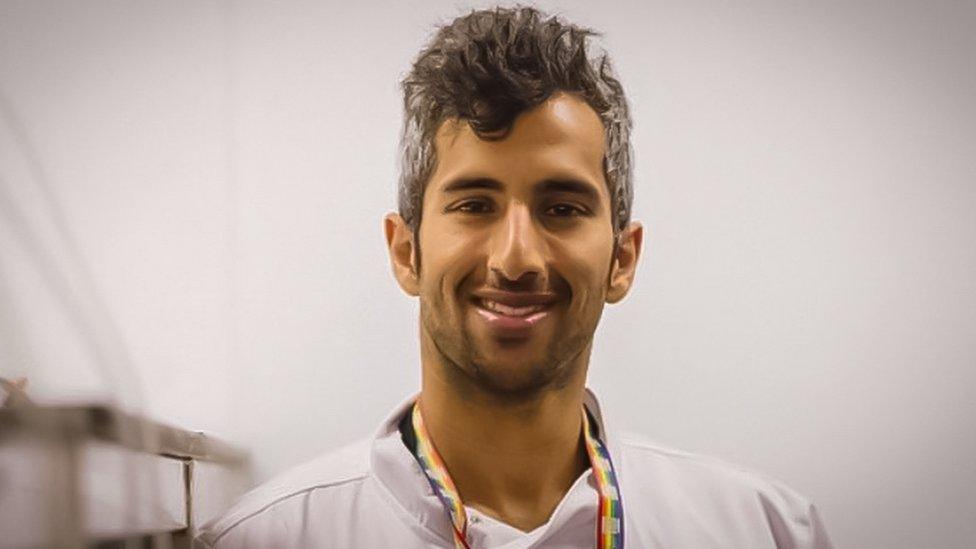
(806, 171)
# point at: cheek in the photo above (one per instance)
(448, 258)
(586, 265)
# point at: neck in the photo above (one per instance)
(513, 459)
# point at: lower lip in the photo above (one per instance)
(512, 326)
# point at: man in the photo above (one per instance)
(513, 231)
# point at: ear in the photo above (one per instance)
(399, 241)
(624, 264)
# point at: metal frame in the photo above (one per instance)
(68, 427)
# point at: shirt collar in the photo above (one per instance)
(396, 469)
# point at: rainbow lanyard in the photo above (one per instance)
(609, 524)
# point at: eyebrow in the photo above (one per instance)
(466, 184)
(572, 186)
(553, 185)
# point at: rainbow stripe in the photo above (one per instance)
(610, 516)
(609, 524)
(440, 480)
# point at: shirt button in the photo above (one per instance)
(475, 519)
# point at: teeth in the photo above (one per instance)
(508, 310)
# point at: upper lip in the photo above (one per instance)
(517, 299)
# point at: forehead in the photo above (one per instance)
(560, 138)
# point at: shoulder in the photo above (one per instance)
(645, 457)
(265, 506)
(721, 492)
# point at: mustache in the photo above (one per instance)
(526, 290)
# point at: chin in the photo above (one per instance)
(517, 377)
(509, 386)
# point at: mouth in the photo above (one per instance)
(509, 310)
(510, 316)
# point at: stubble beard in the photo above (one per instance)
(470, 370)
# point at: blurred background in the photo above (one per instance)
(191, 197)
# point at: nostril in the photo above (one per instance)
(525, 282)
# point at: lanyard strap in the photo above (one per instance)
(610, 516)
(609, 521)
(440, 480)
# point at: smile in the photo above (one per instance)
(508, 310)
(515, 319)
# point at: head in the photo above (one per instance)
(514, 200)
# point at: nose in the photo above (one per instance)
(517, 252)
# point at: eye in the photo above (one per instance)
(479, 206)
(565, 210)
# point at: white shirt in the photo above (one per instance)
(374, 494)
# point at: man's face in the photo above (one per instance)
(517, 247)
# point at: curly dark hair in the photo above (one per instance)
(489, 66)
